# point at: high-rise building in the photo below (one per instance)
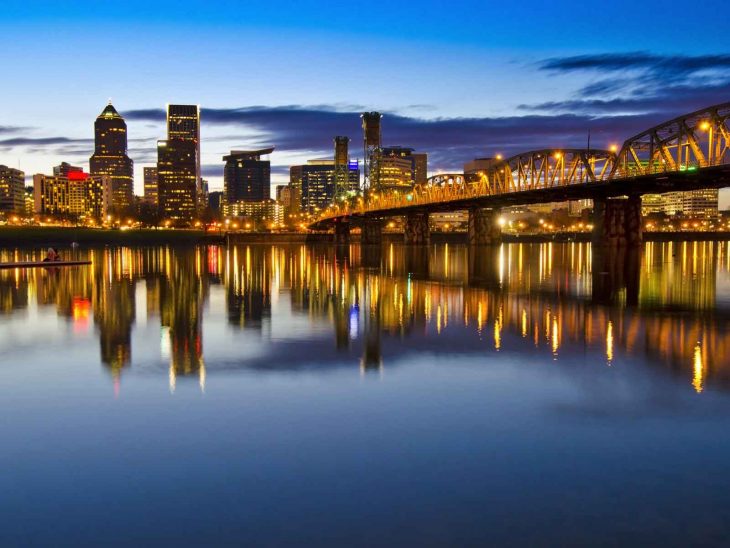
(316, 181)
(150, 186)
(420, 168)
(12, 190)
(342, 171)
(110, 156)
(371, 148)
(76, 195)
(183, 123)
(246, 177)
(177, 181)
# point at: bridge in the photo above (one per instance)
(690, 152)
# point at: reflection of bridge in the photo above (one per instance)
(687, 153)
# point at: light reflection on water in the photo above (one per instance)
(293, 381)
(668, 305)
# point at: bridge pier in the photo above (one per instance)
(483, 227)
(372, 232)
(617, 222)
(416, 230)
(342, 232)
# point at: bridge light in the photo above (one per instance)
(499, 156)
(704, 126)
(558, 155)
(613, 148)
(501, 221)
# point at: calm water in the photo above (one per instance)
(530, 394)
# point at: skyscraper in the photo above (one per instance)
(110, 156)
(342, 175)
(183, 123)
(177, 180)
(371, 143)
(246, 177)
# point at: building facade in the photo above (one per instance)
(110, 157)
(76, 196)
(12, 190)
(246, 178)
(150, 186)
(700, 204)
(315, 183)
(400, 168)
(183, 123)
(177, 181)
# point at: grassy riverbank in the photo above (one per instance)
(14, 236)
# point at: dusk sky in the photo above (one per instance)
(458, 80)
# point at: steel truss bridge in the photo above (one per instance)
(687, 153)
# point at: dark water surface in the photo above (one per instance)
(269, 395)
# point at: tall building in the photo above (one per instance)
(371, 148)
(77, 195)
(177, 180)
(110, 156)
(342, 171)
(316, 182)
(246, 177)
(12, 190)
(420, 168)
(183, 123)
(150, 186)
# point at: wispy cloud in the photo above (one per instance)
(668, 68)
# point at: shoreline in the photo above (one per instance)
(55, 236)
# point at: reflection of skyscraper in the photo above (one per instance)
(114, 312)
(182, 292)
(110, 156)
(249, 296)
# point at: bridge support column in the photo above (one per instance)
(483, 227)
(372, 232)
(617, 222)
(342, 233)
(416, 230)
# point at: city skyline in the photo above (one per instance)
(483, 89)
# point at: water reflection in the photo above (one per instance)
(666, 305)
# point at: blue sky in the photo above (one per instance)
(455, 79)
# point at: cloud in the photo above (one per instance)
(668, 101)
(641, 83)
(668, 67)
(12, 129)
(31, 141)
(309, 130)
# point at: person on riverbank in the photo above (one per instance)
(52, 256)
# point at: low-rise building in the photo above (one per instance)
(12, 190)
(76, 194)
